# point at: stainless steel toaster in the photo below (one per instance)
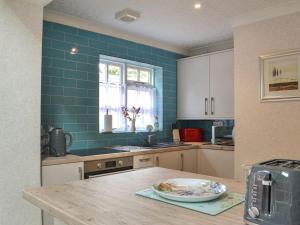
(273, 193)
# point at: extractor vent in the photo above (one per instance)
(127, 15)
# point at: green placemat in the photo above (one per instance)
(213, 208)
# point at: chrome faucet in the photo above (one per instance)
(145, 138)
(149, 138)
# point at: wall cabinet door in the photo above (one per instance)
(168, 160)
(205, 87)
(222, 85)
(193, 88)
(217, 163)
(60, 174)
(188, 160)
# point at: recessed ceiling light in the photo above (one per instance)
(74, 51)
(197, 6)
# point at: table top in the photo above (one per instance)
(111, 200)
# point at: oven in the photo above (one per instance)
(101, 167)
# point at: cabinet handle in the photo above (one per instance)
(206, 101)
(212, 102)
(157, 161)
(145, 160)
(80, 173)
(182, 161)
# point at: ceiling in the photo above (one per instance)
(174, 22)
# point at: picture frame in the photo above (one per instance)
(280, 76)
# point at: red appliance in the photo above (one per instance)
(191, 134)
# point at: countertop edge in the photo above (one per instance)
(40, 197)
(74, 159)
(27, 194)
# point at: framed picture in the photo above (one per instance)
(280, 76)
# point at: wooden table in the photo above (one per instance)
(111, 200)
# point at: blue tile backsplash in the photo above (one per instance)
(70, 83)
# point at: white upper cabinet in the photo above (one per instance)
(205, 87)
(193, 88)
(221, 85)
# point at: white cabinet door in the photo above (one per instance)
(168, 160)
(217, 163)
(60, 174)
(193, 88)
(188, 160)
(222, 85)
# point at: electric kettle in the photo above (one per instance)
(58, 141)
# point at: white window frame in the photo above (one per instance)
(139, 68)
(107, 62)
(127, 83)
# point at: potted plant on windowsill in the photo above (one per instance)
(131, 115)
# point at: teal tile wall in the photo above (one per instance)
(70, 83)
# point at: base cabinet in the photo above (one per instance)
(218, 163)
(178, 160)
(169, 160)
(60, 174)
(188, 160)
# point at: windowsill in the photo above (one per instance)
(126, 132)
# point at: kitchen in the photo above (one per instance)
(64, 93)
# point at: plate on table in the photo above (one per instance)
(189, 190)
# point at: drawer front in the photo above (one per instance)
(143, 161)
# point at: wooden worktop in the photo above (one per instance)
(111, 200)
(73, 158)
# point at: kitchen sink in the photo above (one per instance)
(134, 148)
(164, 145)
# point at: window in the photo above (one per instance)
(126, 83)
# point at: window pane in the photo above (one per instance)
(145, 76)
(114, 74)
(142, 97)
(102, 72)
(111, 98)
(132, 74)
(126, 84)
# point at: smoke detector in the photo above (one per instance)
(127, 15)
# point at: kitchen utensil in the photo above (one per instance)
(58, 141)
(176, 136)
(107, 123)
(191, 134)
(273, 193)
(189, 190)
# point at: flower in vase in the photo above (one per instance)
(131, 114)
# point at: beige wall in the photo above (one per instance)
(20, 88)
(264, 130)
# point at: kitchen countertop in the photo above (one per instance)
(208, 145)
(51, 160)
(73, 158)
(112, 200)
